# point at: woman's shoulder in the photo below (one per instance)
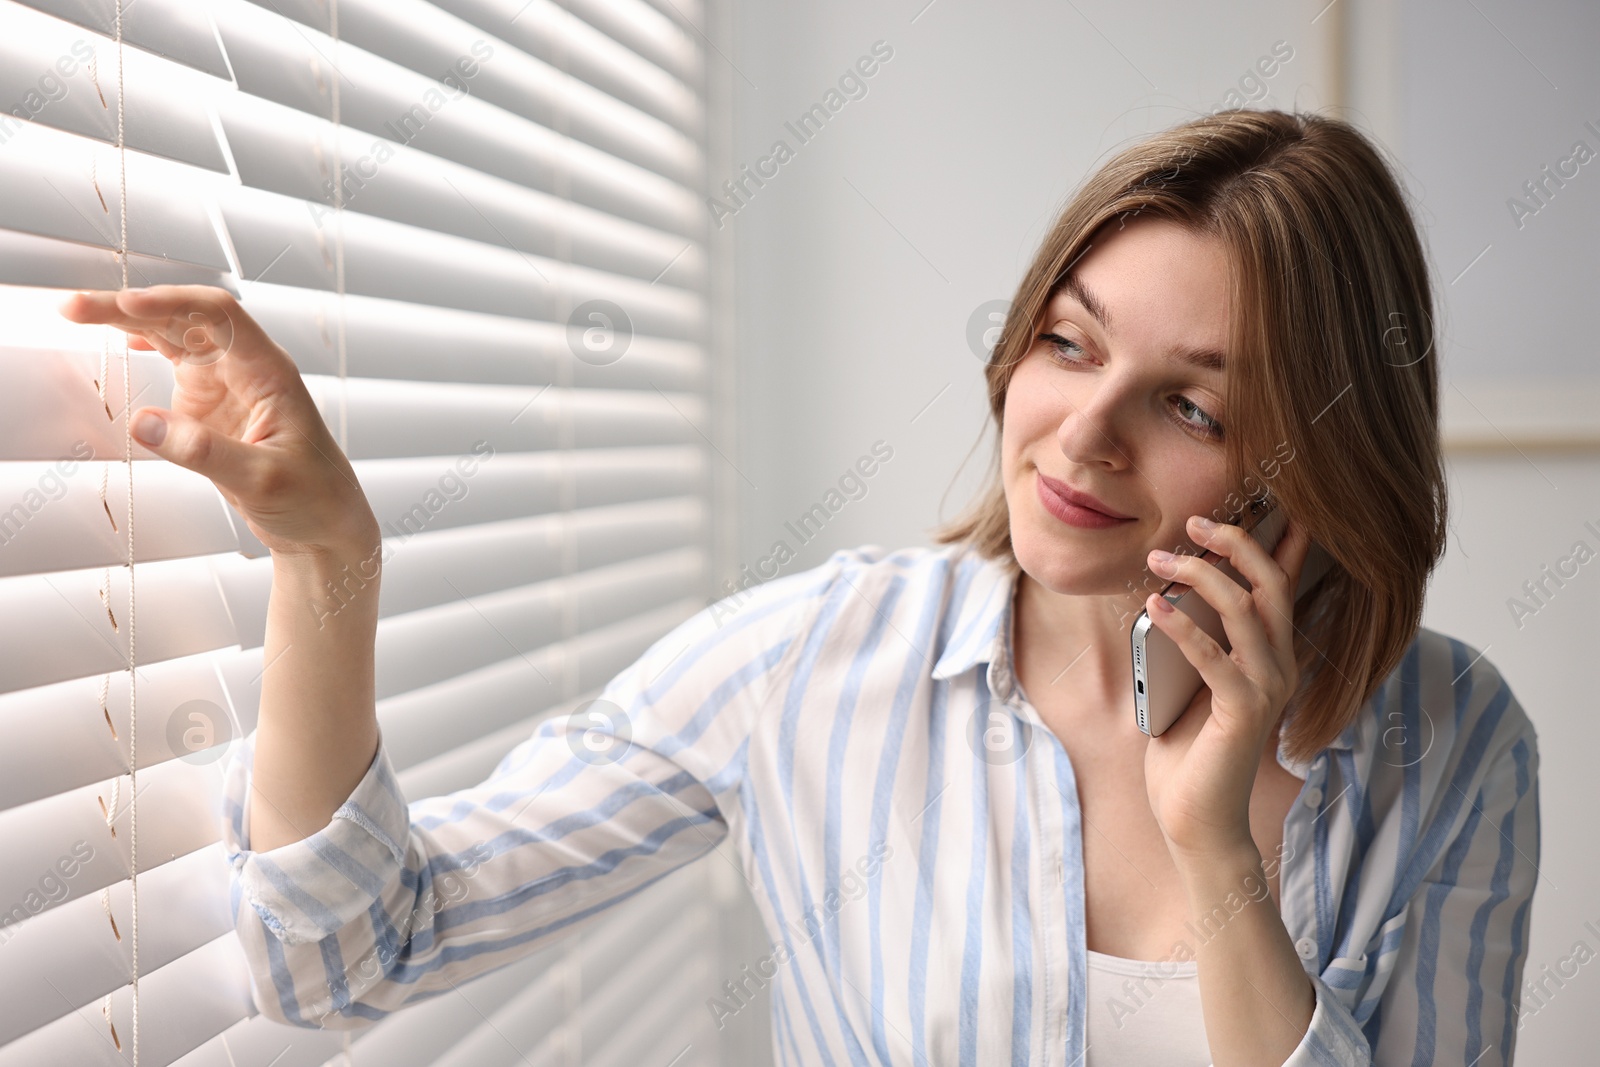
(1446, 710)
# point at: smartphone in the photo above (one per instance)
(1164, 681)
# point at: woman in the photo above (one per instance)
(963, 847)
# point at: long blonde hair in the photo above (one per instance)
(1331, 354)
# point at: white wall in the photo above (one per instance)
(861, 262)
(858, 266)
(1512, 516)
(1489, 94)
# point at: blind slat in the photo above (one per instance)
(180, 30)
(466, 765)
(389, 419)
(606, 1011)
(595, 656)
(501, 694)
(259, 1042)
(543, 29)
(668, 1018)
(422, 38)
(69, 632)
(531, 548)
(469, 636)
(645, 30)
(394, 339)
(66, 77)
(422, 648)
(180, 1005)
(281, 150)
(537, 1010)
(53, 518)
(162, 221)
(31, 260)
(680, 13)
(277, 234)
(520, 486)
(60, 737)
(278, 61)
(593, 540)
(179, 798)
(50, 409)
(65, 948)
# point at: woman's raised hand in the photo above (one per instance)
(241, 415)
(1200, 772)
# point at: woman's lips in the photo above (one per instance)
(1074, 514)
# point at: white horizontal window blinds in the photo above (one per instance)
(479, 228)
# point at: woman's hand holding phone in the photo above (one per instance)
(1200, 772)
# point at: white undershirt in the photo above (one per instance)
(1144, 1012)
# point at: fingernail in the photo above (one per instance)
(150, 428)
(1162, 561)
(1204, 523)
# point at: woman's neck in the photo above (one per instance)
(1073, 644)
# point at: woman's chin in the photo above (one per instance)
(1073, 577)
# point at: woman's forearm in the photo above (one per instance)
(243, 417)
(318, 730)
(1254, 992)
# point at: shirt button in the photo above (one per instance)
(1306, 947)
(1313, 797)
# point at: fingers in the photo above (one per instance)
(190, 443)
(197, 324)
(1235, 606)
(1228, 690)
(1284, 578)
(146, 332)
(1271, 579)
(1197, 646)
(1243, 551)
(1260, 628)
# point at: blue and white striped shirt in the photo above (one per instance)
(924, 894)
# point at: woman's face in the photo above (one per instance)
(1105, 402)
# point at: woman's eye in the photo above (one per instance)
(1206, 424)
(1192, 417)
(1060, 346)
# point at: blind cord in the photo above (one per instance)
(127, 437)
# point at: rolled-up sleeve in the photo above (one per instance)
(392, 902)
(1334, 1038)
(308, 889)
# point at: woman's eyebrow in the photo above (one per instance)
(1073, 286)
(1202, 357)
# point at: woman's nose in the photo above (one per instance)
(1088, 431)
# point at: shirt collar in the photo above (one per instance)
(982, 634)
(982, 620)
